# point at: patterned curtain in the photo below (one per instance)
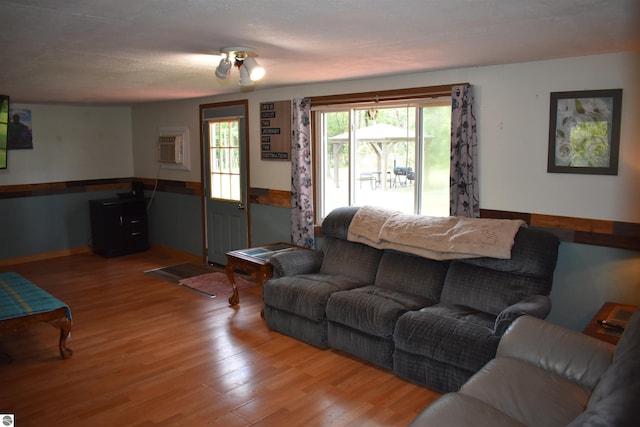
(464, 193)
(301, 171)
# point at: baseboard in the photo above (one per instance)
(88, 250)
(45, 255)
(175, 252)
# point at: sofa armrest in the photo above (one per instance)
(535, 305)
(577, 357)
(292, 263)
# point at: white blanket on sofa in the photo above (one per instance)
(439, 238)
(366, 225)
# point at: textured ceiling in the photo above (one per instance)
(128, 51)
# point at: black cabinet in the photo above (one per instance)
(119, 226)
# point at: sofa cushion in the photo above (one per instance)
(371, 309)
(577, 357)
(450, 334)
(411, 274)
(434, 374)
(534, 253)
(301, 328)
(456, 410)
(305, 295)
(533, 396)
(488, 290)
(374, 349)
(354, 260)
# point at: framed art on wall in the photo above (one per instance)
(4, 129)
(19, 133)
(584, 132)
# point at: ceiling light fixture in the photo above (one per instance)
(224, 68)
(242, 58)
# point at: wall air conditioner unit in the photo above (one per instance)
(170, 149)
(173, 148)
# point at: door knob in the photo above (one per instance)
(241, 206)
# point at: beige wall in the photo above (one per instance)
(73, 143)
(93, 142)
(513, 117)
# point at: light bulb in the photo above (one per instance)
(256, 72)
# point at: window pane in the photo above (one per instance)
(234, 160)
(224, 158)
(335, 162)
(215, 186)
(385, 157)
(225, 166)
(436, 155)
(235, 187)
(369, 157)
(225, 187)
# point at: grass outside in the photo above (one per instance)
(397, 193)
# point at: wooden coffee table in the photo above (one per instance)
(254, 261)
(615, 314)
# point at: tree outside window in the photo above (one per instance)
(396, 156)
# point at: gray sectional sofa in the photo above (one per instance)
(433, 322)
(545, 376)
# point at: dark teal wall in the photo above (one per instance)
(175, 221)
(586, 276)
(270, 224)
(40, 224)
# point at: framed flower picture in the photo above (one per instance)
(584, 132)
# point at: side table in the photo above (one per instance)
(254, 261)
(613, 314)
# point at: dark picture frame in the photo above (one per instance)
(20, 135)
(4, 130)
(584, 132)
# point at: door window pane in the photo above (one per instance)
(224, 159)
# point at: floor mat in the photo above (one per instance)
(213, 284)
(175, 273)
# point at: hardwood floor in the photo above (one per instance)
(148, 353)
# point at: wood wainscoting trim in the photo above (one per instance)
(265, 196)
(168, 186)
(615, 234)
(121, 185)
(65, 187)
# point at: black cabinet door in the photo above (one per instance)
(119, 226)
